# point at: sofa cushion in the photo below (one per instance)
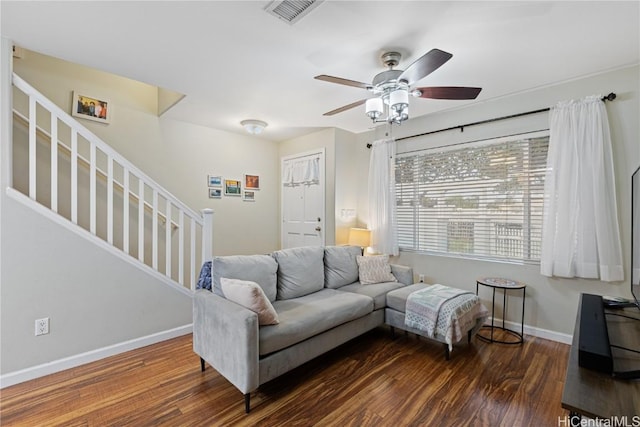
(300, 271)
(374, 269)
(309, 315)
(255, 268)
(397, 299)
(402, 273)
(377, 291)
(340, 266)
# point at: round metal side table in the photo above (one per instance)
(505, 285)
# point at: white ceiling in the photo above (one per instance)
(234, 61)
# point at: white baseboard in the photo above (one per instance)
(536, 332)
(27, 374)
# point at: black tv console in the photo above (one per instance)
(598, 394)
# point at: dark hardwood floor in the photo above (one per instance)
(370, 381)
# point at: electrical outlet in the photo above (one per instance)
(421, 278)
(42, 326)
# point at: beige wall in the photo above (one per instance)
(93, 298)
(551, 303)
(177, 155)
(347, 184)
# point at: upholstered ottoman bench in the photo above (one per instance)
(458, 313)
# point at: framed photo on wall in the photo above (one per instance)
(252, 182)
(232, 187)
(215, 193)
(91, 108)
(249, 196)
(214, 181)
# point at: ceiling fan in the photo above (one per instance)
(393, 87)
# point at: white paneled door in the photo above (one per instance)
(303, 200)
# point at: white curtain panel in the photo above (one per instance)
(382, 197)
(299, 172)
(581, 235)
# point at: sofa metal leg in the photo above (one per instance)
(393, 332)
(247, 402)
(447, 355)
(202, 364)
(469, 337)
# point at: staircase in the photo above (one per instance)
(66, 172)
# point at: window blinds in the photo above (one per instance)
(484, 200)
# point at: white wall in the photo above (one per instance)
(551, 303)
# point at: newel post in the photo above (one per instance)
(207, 235)
(6, 114)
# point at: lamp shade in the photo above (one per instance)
(359, 237)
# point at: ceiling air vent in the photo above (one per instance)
(291, 11)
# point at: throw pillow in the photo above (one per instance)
(250, 295)
(374, 269)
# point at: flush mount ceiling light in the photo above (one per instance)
(254, 127)
(393, 87)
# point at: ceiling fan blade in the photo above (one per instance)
(425, 65)
(341, 81)
(449, 92)
(345, 108)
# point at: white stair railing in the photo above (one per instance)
(164, 228)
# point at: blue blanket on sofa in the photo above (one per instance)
(204, 281)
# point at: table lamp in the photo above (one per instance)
(360, 237)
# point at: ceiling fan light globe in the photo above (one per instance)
(373, 108)
(399, 99)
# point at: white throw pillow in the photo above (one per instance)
(374, 269)
(250, 295)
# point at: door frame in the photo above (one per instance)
(321, 152)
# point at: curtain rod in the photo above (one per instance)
(609, 97)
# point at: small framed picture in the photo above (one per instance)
(215, 193)
(249, 196)
(91, 108)
(214, 181)
(252, 182)
(232, 187)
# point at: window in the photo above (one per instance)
(482, 201)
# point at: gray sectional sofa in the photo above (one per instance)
(319, 301)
